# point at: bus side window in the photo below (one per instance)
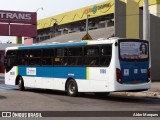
(60, 56)
(91, 55)
(106, 53)
(47, 57)
(23, 57)
(35, 57)
(75, 56)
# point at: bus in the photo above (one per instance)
(99, 66)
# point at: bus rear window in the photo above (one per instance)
(133, 50)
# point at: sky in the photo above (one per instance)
(50, 8)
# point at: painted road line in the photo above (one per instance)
(7, 87)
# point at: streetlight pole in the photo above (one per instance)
(39, 9)
(87, 23)
(146, 21)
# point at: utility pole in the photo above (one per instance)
(39, 9)
(53, 29)
(87, 23)
(146, 21)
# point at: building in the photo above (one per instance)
(75, 21)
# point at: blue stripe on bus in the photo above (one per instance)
(53, 45)
(55, 72)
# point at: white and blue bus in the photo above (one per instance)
(99, 66)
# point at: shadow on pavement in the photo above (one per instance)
(3, 97)
(111, 97)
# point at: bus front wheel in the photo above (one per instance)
(72, 89)
(21, 84)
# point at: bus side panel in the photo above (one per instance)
(98, 77)
(50, 77)
(59, 84)
(44, 83)
(53, 72)
(112, 68)
(10, 76)
(29, 81)
(91, 86)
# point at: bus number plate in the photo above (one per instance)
(102, 71)
(12, 73)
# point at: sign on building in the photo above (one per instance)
(15, 23)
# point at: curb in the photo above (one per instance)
(149, 94)
(1, 77)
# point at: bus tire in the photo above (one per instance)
(21, 84)
(72, 88)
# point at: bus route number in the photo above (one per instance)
(102, 71)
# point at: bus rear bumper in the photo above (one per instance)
(132, 87)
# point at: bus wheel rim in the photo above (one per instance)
(72, 88)
(19, 83)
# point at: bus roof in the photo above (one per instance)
(52, 45)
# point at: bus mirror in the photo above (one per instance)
(116, 43)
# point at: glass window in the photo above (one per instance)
(75, 51)
(35, 61)
(59, 52)
(35, 57)
(106, 50)
(60, 61)
(11, 61)
(11, 57)
(105, 61)
(106, 54)
(22, 61)
(91, 51)
(91, 55)
(23, 57)
(34, 53)
(91, 61)
(48, 52)
(60, 56)
(11, 53)
(73, 61)
(23, 53)
(47, 61)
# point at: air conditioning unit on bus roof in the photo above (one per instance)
(102, 39)
(70, 41)
(43, 44)
(55, 42)
(113, 38)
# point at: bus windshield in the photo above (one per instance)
(134, 50)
